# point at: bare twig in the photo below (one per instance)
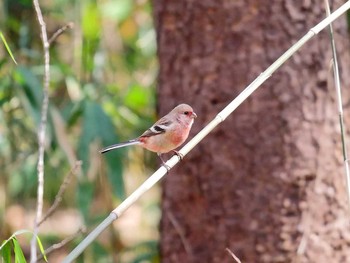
(58, 198)
(180, 232)
(339, 101)
(233, 255)
(42, 129)
(61, 244)
(60, 31)
(302, 245)
(43, 120)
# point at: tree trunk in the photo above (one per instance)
(268, 184)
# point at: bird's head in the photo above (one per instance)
(185, 112)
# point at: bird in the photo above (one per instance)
(168, 133)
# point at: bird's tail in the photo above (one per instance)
(119, 145)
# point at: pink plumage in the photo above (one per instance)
(166, 134)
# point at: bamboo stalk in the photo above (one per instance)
(162, 171)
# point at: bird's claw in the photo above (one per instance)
(180, 155)
(167, 167)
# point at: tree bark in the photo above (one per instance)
(268, 183)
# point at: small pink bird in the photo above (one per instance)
(166, 134)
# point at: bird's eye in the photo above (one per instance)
(186, 113)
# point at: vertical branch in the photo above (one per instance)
(42, 129)
(339, 101)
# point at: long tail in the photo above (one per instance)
(119, 145)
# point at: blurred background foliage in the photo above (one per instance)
(103, 73)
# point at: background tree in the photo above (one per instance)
(268, 183)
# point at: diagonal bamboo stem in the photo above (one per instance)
(162, 171)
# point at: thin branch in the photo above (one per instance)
(61, 244)
(233, 255)
(180, 232)
(220, 117)
(63, 187)
(60, 31)
(339, 101)
(42, 129)
(302, 244)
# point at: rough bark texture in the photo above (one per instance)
(268, 183)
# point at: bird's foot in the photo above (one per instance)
(180, 155)
(167, 167)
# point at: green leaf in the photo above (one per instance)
(117, 9)
(100, 253)
(7, 47)
(41, 247)
(91, 23)
(31, 85)
(114, 172)
(19, 256)
(19, 232)
(137, 97)
(97, 125)
(6, 252)
(73, 112)
(29, 92)
(145, 252)
(85, 196)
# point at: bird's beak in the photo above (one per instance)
(194, 115)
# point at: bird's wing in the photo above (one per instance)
(158, 128)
